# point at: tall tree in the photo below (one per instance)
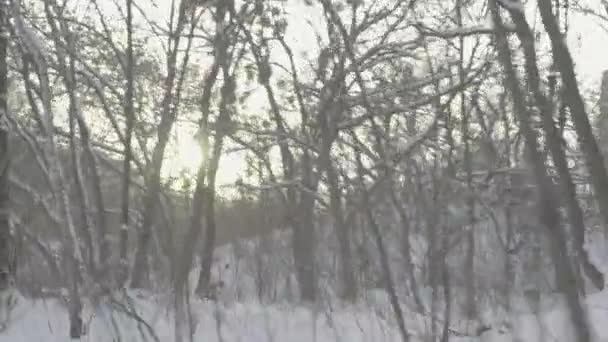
(6, 272)
(470, 202)
(129, 106)
(168, 115)
(573, 99)
(554, 142)
(300, 206)
(206, 192)
(549, 215)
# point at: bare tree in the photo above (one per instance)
(573, 99)
(300, 208)
(568, 188)
(548, 208)
(128, 151)
(6, 271)
(168, 114)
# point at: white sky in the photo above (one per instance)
(587, 41)
(588, 44)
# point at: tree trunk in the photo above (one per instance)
(508, 214)
(471, 306)
(447, 290)
(554, 141)
(140, 272)
(86, 222)
(209, 196)
(203, 288)
(223, 127)
(406, 249)
(572, 97)
(299, 213)
(387, 275)
(548, 208)
(130, 121)
(66, 65)
(72, 253)
(330, 110)
(6, 246)
(349, 282)
(303, 247)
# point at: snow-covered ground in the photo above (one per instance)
(238, 316)
(46, 320)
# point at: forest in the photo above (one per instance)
(303, 170)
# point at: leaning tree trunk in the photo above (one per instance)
(72, 253)
(603, 104)
(574, 100)
(554, 141)
(548, 208)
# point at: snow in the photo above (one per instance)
(47, 321)
(30, 39)
(516, 5)
(252, 321)
(238, 316)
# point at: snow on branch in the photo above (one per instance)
(512, 5)
(32, 43)
(458, 32)
(405, 148)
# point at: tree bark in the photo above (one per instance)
(548, 208)
(140, 272)
(72, 249)
(387, 275)
(349, 281)
(209, 191)
(406, 248)
(554, 141)
(299, 210)
(471, 306)
(130, 120)
(330, 110)
(6, 246)
(572, 97)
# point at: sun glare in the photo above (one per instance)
(188, 155)
(187, 159)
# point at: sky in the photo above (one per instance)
(588, 44)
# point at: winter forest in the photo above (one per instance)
(303, 170)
